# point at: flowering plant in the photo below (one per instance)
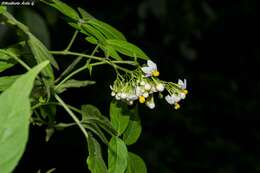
(38, 92)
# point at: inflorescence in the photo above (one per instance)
(143, 83)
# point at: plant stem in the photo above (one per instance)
(55, 103)
(70, 75)
(72, 40)
(72, 115)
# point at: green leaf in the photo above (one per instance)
(2, 9)
(95, 160)
(91, 31)
(6, 60)
(7, 81)
(84, 14)
(42, 50)
(65, 9)
(74, 84)
(127, 48)
(41, 54)
(119, 115)
(110, 52)
(91, 115)
(107, 30)
(95, 129)
(135, 164)
(134, 128)
(91, 40)
(117, 156)
(15, 119)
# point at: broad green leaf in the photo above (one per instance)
(65, 9)
(84, 14)
(119, 115)
(7, 81)
(107, 30)
(74, 84)
(15, 119)
(127, 48)
(93, 32)
(110, 52)
(135, 164)
(6, 60)
(134, 128)
(117, 156)
(41, 54)
(95, 160)
(91, 115)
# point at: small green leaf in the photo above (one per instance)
(6, 60)
(95, 160)
(64, 9)
(107, 30)
(110, 52)
(91, 115)
(91, 40)
(95, 129)
(135, 164)
(127, 48)
(84, 14)
(134, 128)
(117, 156)
(74, 84)
(15, 119)
(7, 81)
(119, 115)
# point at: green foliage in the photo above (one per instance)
(135, 164)
(7, 81)
(117, 156)
(127, 48)
(15, 116)
(134, 128)
(6, 60)
(95, 160)
(119, 115)
(72, 83)
(122, 128)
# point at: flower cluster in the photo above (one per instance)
(143, 83)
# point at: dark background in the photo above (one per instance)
(213, 44)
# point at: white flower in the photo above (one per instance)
(182, 84)
(160, 87)
(138, 91)
(113, 93)
(123, 95)
(182, 95)
(145, 94)
(147, 86)
(150, 103)
(142, 83)
(150, 69)
(117, 97)
(172, 99)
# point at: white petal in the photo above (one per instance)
(170, 99)
(147, 70)
(152, 64)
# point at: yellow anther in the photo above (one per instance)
(177, 106)
(185, 91)
(141, 99)
(156, 73)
